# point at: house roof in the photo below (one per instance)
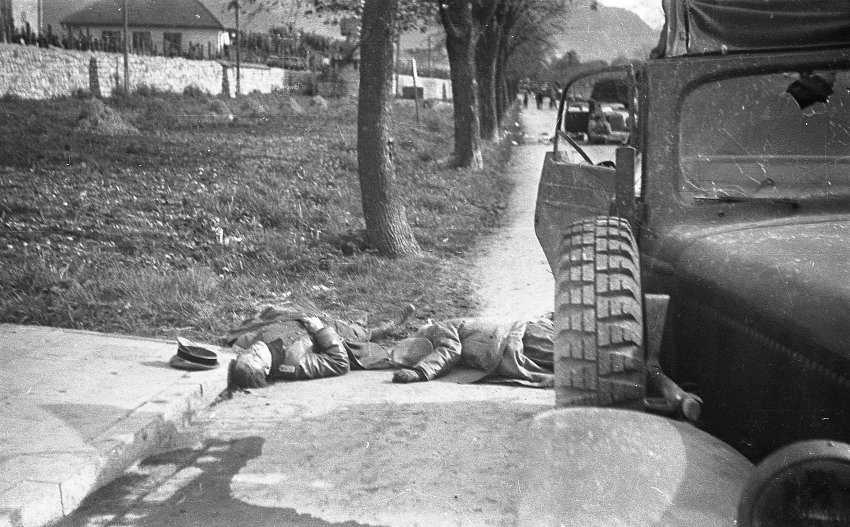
(155, 13)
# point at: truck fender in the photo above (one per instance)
(603, 466)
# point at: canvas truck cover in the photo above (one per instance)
(697, 27)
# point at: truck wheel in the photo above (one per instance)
(598, 316)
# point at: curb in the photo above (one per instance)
(62, 480)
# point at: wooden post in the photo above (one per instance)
(415, 88)
(397, 60)
(238, 45)
(126, 50)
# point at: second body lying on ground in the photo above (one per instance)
(473, 349)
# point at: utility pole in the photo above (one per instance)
(126, 50)
(415, 74)
(238, 45)
(398, 58)
(429, 54)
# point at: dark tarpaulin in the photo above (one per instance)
(766, 24)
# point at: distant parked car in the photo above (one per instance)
(576, 119)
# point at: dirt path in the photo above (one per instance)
(515, 278)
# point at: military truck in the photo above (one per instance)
(610, 120)
(603, 116)
(706, 276)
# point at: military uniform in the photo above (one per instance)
(472, 349)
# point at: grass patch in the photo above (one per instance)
(215, 207)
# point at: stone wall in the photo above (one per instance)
(30, 72)
(253, 77)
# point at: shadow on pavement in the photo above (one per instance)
(198, 493)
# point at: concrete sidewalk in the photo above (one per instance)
(78, 408)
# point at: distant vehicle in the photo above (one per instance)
(576, 119)
(604, 118)
(609, 123)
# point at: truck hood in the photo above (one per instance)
(794, 278)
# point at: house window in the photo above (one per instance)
(111, 40)
(172, 44)
(142, 42)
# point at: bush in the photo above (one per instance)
(194, 91)
(98, 118)
(119, 93)
(144, 90)
(217, 106)
(303, 83)
(81, 93)
(252, 107)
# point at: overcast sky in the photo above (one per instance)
(649, 10)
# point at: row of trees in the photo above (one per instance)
(489, 43)
(481, 38)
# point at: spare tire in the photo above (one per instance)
(598, 316)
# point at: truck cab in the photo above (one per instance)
(716, 254)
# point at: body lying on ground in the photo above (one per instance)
(287, 344)
(474, 349)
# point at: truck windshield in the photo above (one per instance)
(783, 135)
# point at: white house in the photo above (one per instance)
(166, 27)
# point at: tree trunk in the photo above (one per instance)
(461, 37)
(504, 97)
(507, 20)
(386, 220)
(486, 53)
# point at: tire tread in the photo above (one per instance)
(598, 315)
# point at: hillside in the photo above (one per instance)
(605, 33)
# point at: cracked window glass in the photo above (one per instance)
(776, 136)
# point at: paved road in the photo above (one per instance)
(331, 451)
(357, 449)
